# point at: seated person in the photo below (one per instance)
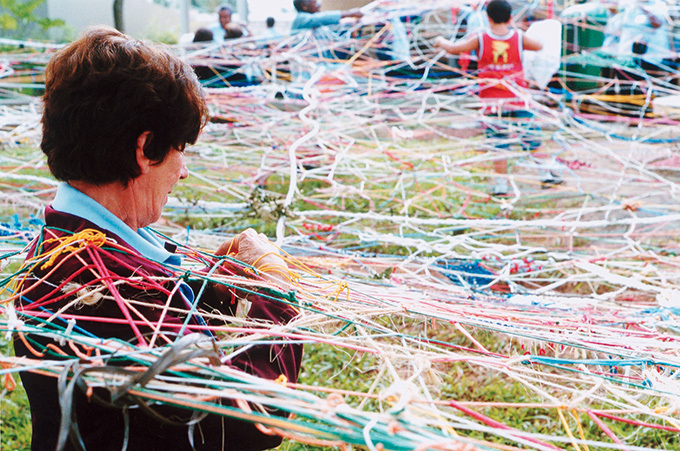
(203, 35)
(308, 16)
(216, 76)
(221, 28)
(204, 73)
(639, 30)
(270, 32)
(117, 116)
(233, 31)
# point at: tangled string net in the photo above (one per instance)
(434, 315)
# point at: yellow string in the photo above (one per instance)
(633, 100)
(580, 428)
(665, 409)
(343, 285)
(83, 238)
(88, 236)
(369, 44)
(566, 428)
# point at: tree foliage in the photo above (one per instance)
(18, 19)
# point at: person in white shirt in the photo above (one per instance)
(225, 26)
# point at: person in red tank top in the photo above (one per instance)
(500, 59)
(501, 73)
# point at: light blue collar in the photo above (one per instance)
(70, 200)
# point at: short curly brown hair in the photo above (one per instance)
(102, 92)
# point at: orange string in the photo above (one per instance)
(29, 347)
(10, 383)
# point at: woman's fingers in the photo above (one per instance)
(256, 250)
(252, 248)
(228, 247)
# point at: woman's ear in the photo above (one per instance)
(143, 162)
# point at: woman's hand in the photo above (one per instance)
(256, 250)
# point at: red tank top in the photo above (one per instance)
(500, 58)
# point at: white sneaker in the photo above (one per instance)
(550, 178)
(500, 188)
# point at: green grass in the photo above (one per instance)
(328, 366)
(15, 419)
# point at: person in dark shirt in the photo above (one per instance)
(117, 116)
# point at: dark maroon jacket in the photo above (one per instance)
(102, 427)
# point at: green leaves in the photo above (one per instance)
(8, 22)
(18, 19)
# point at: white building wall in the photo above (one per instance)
(142, 18)
(145, 19)
(281, 10)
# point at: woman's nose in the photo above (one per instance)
(184, 172)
